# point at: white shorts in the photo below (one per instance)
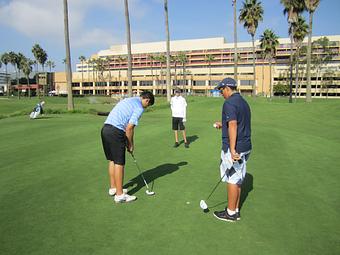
(233, 172)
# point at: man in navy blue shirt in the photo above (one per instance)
(236, 146)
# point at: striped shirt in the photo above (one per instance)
(127, 111)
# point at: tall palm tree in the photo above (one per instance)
(250, 15)
(70, 104)
(311, 6)
(120, 60)
(128, 42)
(50, 64)
(82, 60)
(26, 66)
(235, 41)
(292, 8)
(268, 43)
(20, 60)
(168, 75)
(162, 60)
(13, 59)
(174, 60)
(183, 59)
(209, 58)
(299, 30)
(5, 60)
(36, 50)
(152, 58)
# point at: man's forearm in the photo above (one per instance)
(232, 130)
(129, 134)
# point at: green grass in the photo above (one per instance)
(54, 182)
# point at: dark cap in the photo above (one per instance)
(226, 82)
(177, 90)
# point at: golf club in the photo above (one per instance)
(203, 204)
(148, 192)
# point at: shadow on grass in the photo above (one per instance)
(44, 118)
(247, 186)
(151, 175)
(190, 139)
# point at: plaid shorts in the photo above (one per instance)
(233, 172)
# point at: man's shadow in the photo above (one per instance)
(190, 139)
(152, 174)
(247, 186)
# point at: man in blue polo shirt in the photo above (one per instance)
(117, 135)
(236, 146)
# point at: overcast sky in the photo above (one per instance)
(97, 24)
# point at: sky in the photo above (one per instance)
(97, 24)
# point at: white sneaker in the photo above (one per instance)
(124, 198)
(112, 191)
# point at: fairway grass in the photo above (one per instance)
(54, 183)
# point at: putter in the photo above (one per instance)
(203, 204)
(148, 192)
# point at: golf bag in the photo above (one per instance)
(36, 111)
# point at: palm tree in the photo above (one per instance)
(82, 60)
(311, 6)
(5, 60)
(162, 60)
(292, 8)
(235, 41)
(70, 104)
(209, 58)
(268, 43)
(21, 59)
(36, 50)
(120, 60)
(299, 30)
(128, 39)
(168, 75)
(322, 58)
(50, 65)
(250, 15)
(26, 66)
(13, 59)
(183, 59)
(152, 59)
(174, 60)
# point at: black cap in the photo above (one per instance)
(226, 82)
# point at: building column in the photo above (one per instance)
(138, 84)
(108, 88)
(81, 88)
(154, 87)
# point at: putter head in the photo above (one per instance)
(150, 193)
(203, 205)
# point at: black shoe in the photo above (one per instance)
(186, 145)
(176, 144)
(238, 216)
(223, 215)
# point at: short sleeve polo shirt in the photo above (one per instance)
(236, 108)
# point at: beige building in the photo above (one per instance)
(105, 73)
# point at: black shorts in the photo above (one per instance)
(177, 123)
(114, 144)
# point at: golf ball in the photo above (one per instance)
(188, 203)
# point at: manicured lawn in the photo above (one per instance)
(54, 183)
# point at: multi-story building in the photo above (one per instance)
(105, 73)
(4, 79)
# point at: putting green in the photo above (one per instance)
(54, 183)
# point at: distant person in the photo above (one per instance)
(37, 110)
(179, 108)
(236, 146)
(117, 135)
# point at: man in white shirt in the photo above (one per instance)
(178, 109)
